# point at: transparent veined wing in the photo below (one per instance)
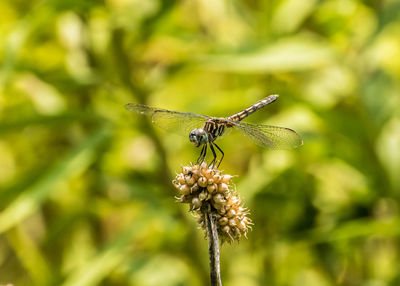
(272, 137)
(169, 120)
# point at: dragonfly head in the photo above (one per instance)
(198, 137)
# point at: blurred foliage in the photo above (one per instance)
(85, 191)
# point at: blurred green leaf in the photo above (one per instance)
(57, 120)
(101, 265)
(290, 14)
(297, 53)
(98, 267)
(30, 255)
(355, 229)
(72, 165)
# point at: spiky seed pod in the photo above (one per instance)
(221, 210)
(196, 174)
(203, 166)
(184, 190)
(237, 232)
(212, 188)
(219, 198)
(218, 207)
(194, 188)
(202, 182)
(209, 173)
(223, 221)
(205, 188)
(226, 179)
(190, 180)
(222, 188)
(242, 225)
(226, 229)
(216, 178)
(232, 212)
(203, 195)
(232, 222)
(185, 170)
(196, 203)
(181, 179)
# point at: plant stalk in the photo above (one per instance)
(213, 248)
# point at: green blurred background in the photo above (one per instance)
(85, 191)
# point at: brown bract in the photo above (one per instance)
(208, 189)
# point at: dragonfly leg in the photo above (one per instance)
(214, 154)
(205, 153)
(222, 152)
(202, 154)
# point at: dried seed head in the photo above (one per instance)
(207, 189)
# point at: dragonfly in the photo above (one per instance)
(204, 130)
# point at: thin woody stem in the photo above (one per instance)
(213, 248)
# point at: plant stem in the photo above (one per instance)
(213, 248)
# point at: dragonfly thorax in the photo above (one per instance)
(198, 137)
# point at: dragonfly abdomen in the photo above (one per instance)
(253, 108)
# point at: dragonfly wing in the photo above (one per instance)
(172, 121)
(272, 137)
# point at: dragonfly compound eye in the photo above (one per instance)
(198, 137)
